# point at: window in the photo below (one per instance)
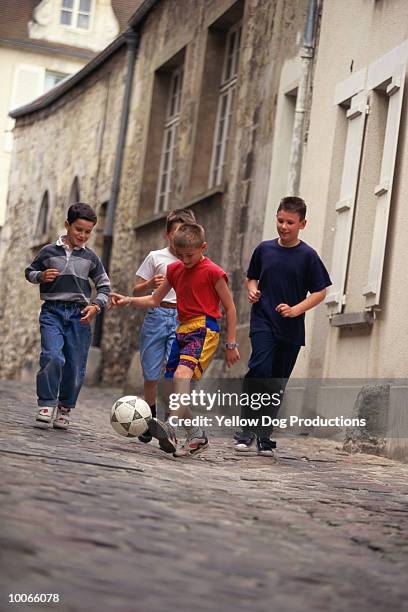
(76, 13)
(355, 112)
(41, 228)
(52, 79)
(371, 102)
(74, 192)
(281, 148)
(225, 105)
(391, 86)
(164, 185)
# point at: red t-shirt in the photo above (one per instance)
(195, 288)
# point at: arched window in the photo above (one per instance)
(41, 228)
(74, 192)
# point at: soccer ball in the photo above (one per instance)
(130, 416)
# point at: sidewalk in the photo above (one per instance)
(111, 524)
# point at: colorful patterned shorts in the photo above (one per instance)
(195, 344)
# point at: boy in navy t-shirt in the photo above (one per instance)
(281, 274)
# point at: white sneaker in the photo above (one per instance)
(244, 443)
(192, 446)
(45, 414)
(61, 421)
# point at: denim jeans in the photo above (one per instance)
(156, 338)
(270, 366)
(65, 344)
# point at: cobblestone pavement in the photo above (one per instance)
(111, 524)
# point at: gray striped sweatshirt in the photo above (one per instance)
(72, 284)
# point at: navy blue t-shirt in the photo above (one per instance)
(285, 275)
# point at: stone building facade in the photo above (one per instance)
(41, 43)
(70, 142)
(213, 115)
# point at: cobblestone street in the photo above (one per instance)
(111, 524)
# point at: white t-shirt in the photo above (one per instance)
(156, 263)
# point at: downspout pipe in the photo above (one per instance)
(306, 58)
(132, 40)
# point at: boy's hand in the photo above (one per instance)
(232, 356)
(156, 281)
(287, 311)
(49, 275)
(117, 299)
(254, 296)
(89, 313)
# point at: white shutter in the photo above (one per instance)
(28, 84)
(356, 116)
(382, 192)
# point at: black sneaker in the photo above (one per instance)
(146, 437)
(244, 442)
(165, 434)
(266, 447)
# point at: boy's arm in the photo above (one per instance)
(102, 284)
(311, 301)
(221, 287)
(148, 301)
(37, 273)
(143, 285)
(254, 295)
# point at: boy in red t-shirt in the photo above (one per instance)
(200, 286)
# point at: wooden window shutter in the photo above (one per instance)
(356, 116)
(394, 90)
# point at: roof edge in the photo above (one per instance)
(141, 12)
(58, 91)
(48, 48)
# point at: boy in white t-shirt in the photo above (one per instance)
(158, 330)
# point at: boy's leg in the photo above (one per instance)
(283, 364)
(196, 440)
(270, 366)
(77, 338)
(153, 352)
(171, 322)
(263, 351)
(51, 360)
(197, 342)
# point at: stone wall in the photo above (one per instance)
(76, 137)
(270, 34)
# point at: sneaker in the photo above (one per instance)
(61, 421)
(266, 447)
(244, 443)
(146, 437)
(45, 414)
(165, 434)
(192, 446)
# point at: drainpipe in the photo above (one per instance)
(306, 57)
(132, 40)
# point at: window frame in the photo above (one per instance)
(225, 112)
(76, 12)
(169, 140)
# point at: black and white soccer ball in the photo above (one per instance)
(130, 416)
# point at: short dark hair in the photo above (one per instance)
(180, 215)
(80, 210)
(189, 235)
(293, 204)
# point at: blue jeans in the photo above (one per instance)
(270, 366)
(65, 344)
(156, 338)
